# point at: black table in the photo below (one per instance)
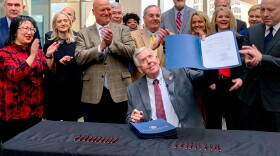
(56, 138)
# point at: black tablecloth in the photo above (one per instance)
(54, 138)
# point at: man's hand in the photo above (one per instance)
(252, 55)
(237, 83)
(136, 115)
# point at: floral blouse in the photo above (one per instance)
(21, 94)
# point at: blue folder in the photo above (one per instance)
(155, 129)
(184, 50)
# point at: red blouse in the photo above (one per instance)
(21, 91)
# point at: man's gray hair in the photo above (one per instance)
(229, 2)
(137, 52)
(148, 7)
(116, 5)
(22, 1)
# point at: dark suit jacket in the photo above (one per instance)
(241, 25)
(4, 32)
(182, 96)
(266, 77)
(95, 66)
(168, 20)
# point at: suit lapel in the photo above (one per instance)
(144, 37)
(172, 19)
(274, 40)
(186, 16)
(94, 34)
(169, 81)
(4, 28)
(144, 92)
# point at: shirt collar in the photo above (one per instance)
(9, 21)
(276, 27)
(98, 26)
(159, 77)
(149, 33)
(182, 12)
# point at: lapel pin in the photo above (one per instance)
(170, 78)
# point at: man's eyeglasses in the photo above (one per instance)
(26, 29)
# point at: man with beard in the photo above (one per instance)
(177, 19)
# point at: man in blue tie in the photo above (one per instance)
(261, 89)
(13, 8)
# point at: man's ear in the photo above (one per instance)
(140, 70)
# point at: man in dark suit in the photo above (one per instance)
(168, 18)
(103, 51)
(177, 91)
(13, 8)
(226, 3)
(261, 89)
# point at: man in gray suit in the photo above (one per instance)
(168, 18)
(226, 3)
(261, 89)
(176, 87)
(103, 50)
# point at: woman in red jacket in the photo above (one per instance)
(22, 64)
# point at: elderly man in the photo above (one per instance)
(117, 12)
(261, 50)
(177, 19)
(226, 3)
(103, 50)
(70, 12)
(150, 36)
(166, 94)
(13, 8)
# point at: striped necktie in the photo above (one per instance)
(178, 22)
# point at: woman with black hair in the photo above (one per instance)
(22, 64)
(131, 20)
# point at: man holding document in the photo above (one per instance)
(166, 94)
(261, 91)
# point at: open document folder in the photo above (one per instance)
(218, 50)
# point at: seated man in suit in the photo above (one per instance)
(149, 36)
(162, 93)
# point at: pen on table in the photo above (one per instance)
(94, 138)
(109, 140)
(114, 140)
(176, 144)
(81, 138)
(90, 138)
(97, 139)
(77, 137)
(106, 139)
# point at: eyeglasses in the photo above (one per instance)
(26, 29)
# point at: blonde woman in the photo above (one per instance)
(222, 97)
(62, 89)
(200, 24)
(254, 15)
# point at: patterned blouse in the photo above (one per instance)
(20, 85)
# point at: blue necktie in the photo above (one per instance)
(268, 38)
